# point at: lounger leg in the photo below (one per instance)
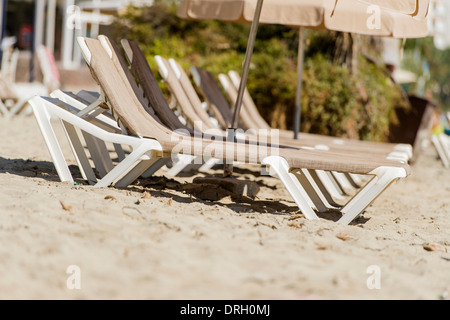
(358, 179)
(79, 153)
(281, 168)
(312, 190)
(351, 180)
(142, 153)
(343, 181)
(3, 109)
(181, 164)
(18, 106)
(440, 150)
(155, 167)
(314, 175)
(445, 143)
(119, 151)
(99, 154)
(209, 164)
(192, 167)
(138, 170)
(383, 177)
(331, 184)
(43, 120)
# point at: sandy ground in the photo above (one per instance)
(159, 238)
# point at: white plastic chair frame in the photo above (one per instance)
(87, 105)
(145, 152)
(442, 144)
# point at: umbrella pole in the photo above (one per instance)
(298, 95)
(231, 132)
(2, 23)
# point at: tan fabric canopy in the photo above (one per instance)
(410, 7)
(288, 12)
(339, 15)
(353, 16)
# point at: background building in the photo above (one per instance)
(439, 23)
(57, 23)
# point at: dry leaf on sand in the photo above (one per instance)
(66, 206)
(343, 237)
(434, 247)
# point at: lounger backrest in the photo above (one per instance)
(191, 93)
(248, 104)
(180, 94)
(122, 66)
(121, 94)
(244, 117)
(146, 79)
(123, 97)
(208, 86)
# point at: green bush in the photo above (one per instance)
(330, 98)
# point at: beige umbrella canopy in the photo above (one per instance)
(399, 19)
(288, 12)
(403, 6)
(338, 15)
(346, 17)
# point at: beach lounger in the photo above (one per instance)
(251, 118)
(88, 105)
(441, 143)
(289, 152)
(178, 82)
(20, 92)
(143, 74)
(307, 141)
(183, 91)
(151, 141)
(7, 78)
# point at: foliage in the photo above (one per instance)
(421, 54)
(335, 101)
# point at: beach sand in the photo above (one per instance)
(159, 238)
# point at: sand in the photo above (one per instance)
(159, 238)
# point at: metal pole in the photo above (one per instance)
(67, 37)
(228, 168)
(2, 23)
(38, 30)
(298, 95)
(39, 23)
(95, 27)
(50, 28)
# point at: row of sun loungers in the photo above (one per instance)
(131, 114)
